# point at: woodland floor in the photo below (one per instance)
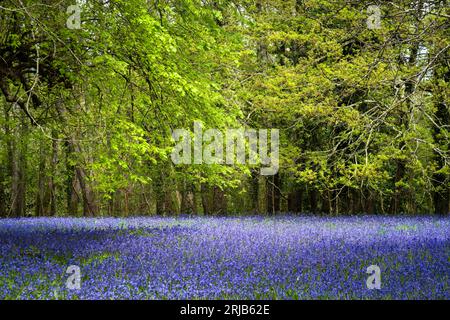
(284, 257)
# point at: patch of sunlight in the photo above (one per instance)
(99, 257)
(405, 227)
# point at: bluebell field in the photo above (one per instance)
(287, 257)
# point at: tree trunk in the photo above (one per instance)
(206, 203)
(51, 183)
(71, 182)
(89, 204)
(273, 194)
(219, 202)
(326, 202)
(254, 192)
(18, 188)
(2, 191)
(188, 202)
(39, 205)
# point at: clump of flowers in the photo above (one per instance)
(285, 257)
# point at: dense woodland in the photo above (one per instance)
(86, 114)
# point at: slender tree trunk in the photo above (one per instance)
(254, 192)
(40, 192)
(206, 203)
(18, 188)
(5, 167)
(2, 191)
(169, 205)
(71, 182)
(370, 205)
(90, 208)
(188, 201)
(52, 184)
(127, 204)
(219, 201)
(160, 194)
(117, 203)
(89, 204)
(44, 189)
(326, 202)
(273, 194)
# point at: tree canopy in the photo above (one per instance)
(358, 91)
